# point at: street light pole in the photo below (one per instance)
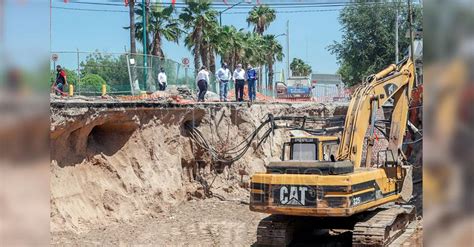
(145, 64)
(220, 12)
(410, 29)
(396, 37)
(288, 48)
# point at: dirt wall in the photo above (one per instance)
(113, 164)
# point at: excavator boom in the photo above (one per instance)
(393, 85)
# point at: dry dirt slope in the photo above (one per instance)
(117, 165)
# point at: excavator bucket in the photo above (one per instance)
(407, 185)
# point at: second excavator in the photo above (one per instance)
(347, 189)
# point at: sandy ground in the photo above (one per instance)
(208, 222)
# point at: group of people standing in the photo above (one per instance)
(223, 77)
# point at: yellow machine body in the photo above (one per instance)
(310, 184)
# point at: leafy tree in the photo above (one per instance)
(91, 83)
(260, 17)
(300, 68)
(112, 69)
(368, 41)
(160, 24)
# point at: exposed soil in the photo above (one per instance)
(125, 174)
(112, 165)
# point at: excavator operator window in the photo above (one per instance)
(304, 151)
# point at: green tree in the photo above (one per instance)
(260, 17)
(160, 24)
(198, 18)
(112, 69)
(274, 52)
(368, 41)
(92, 83)
(300, 68)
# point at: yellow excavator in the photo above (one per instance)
(334, 183)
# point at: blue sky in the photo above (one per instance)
(310, 33)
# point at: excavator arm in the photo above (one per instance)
(391, 84)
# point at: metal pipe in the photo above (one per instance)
(386, 71)
(287, 49)
(371, 138)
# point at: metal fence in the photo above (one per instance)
(330, 93)
(122, 73)
(126, 74)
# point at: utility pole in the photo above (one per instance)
(288, 48)
(396, 37)
(145, 64)
(410, 29)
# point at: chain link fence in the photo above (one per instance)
(126, 74)
(121, 73)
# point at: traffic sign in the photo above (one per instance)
(185, 61)
(54, 57)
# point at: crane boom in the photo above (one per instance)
(391, 84)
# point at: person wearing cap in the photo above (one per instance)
(162, 80)
(61, 80)
(202, 81)
(239, 78)
(223, 76)
(251, 76)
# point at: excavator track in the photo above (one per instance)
(275, 230)
(382, 227)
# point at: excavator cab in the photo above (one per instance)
(310, 154)
(322, 148)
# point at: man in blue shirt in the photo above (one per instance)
(251, 76)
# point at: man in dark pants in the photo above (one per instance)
(251, 77)
(239, 77)
(202, 80)
(61, 81)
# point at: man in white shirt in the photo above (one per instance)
(202, 80)
(239, 78)
(223, 77)
(162, 80)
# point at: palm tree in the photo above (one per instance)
(300, 68)
(260, 17)
(160, 24)
(198, 18)
(229, 43)
(274, 52)
(213, 38)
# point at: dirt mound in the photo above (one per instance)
(112, 165)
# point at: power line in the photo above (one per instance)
(230, 13)
(292, 11)
(91, 10)
(272, 5)
(302, 6)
